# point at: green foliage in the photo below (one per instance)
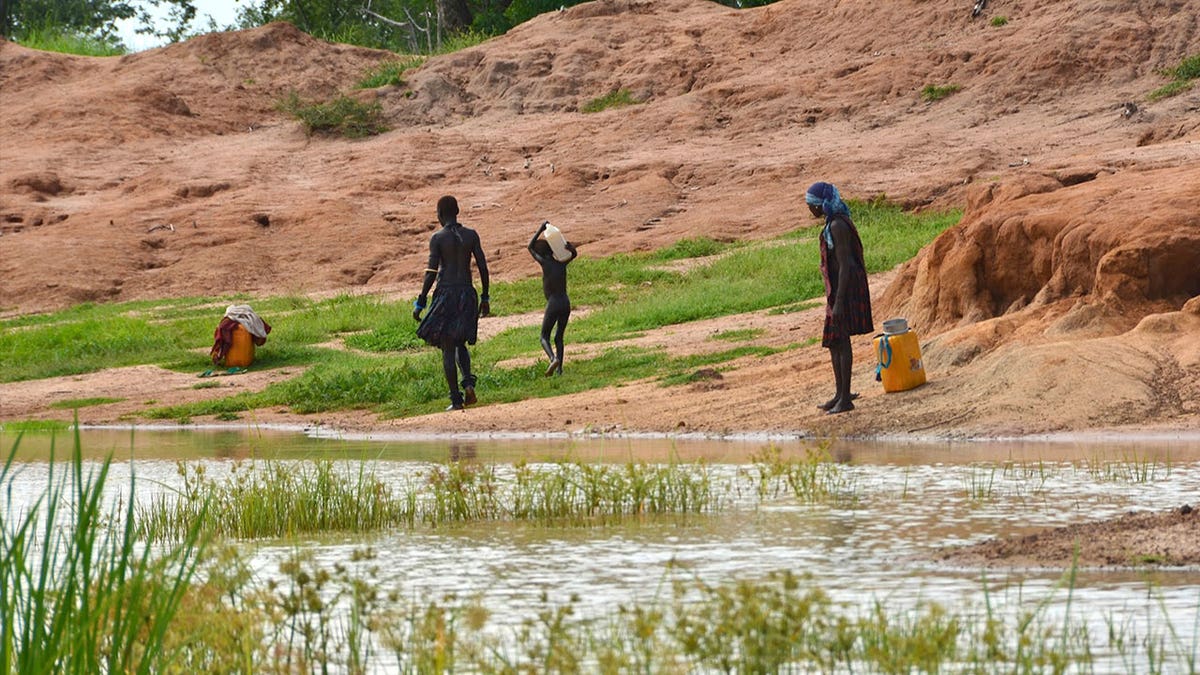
(998, 21)
(88, 25)
(461, 40)
(1183, 74)
(933, 92)
(615, 99)
(343, 116)
(389, 73)
(520, 11)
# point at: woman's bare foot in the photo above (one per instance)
(841, 407)
(828, 405)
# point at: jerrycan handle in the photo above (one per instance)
(883, 361)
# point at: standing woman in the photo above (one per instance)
(558, 305)
(453, 319)
(847, 296)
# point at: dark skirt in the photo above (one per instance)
(856, 316)
(453, 317)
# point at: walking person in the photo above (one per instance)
(453, 319)
(558, 305)
(847, 295)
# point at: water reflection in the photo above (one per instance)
(222, 442)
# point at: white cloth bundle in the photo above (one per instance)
(249, 320)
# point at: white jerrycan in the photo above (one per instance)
(558, 243)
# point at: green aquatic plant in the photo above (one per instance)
(79, 592)
(286, 499)
(273, 499)
(577, 492)
(1127, 469)
(813, 478)
(980, 483)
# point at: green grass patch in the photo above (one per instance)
(343, 116)
(22, 426)
(615, 99)
(692, 247)
(1170, 89)
(396, 335)
(65, 42)
(998, 21)
(1182, 76)
(389, 73)
(695, 368)
(738, 335)
(71, 403)
(1188, 69)
(935, 92)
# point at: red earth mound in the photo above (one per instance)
(171, 172)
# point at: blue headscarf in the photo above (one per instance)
(826, 196)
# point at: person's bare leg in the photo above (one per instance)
(450, 370)
(468, 380)
(547, 326)
(843, 364)
(837, 374)
(558, 343)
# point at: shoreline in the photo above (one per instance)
(320, 431)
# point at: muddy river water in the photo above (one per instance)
(909, 500)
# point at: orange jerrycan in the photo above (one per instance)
(899, 353)
(241, 351)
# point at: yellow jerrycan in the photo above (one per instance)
(241, 350)
(899, 352)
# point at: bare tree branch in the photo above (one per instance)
(398, 24)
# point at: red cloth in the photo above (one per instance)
(223, 339)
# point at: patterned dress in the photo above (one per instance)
(856, 313)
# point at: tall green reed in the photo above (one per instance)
(78, 591)
(273, 499)
(284, 499)
(812, 479)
